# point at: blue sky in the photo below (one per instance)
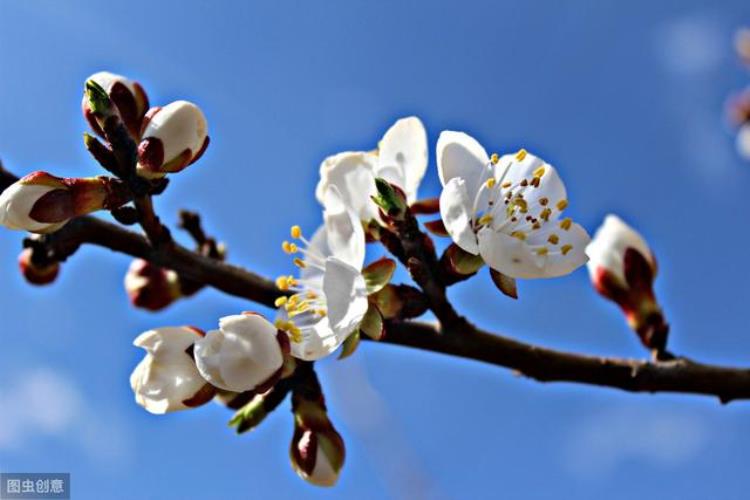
(624, 98)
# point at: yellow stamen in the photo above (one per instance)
(312, 295)
(506, 184)
(490, 183)
(296, 232)
(289, 248)
(542, 251)
(521, 155)
(535, 182)
(539, 171)
(536, 225)
(566, 223)
(322, 313)
(566, 248)
(544, 214)
(299, 263)
(494, 158)
(519, 234)
(485, 219)
(280, 301)
(543, 201)
(561, 205)
(554, 239)
(281, 283)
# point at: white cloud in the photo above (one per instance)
(43, 403)
(599, 444)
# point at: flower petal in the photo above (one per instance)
(566, 254)
(460, 155)
(508, 255)
(352, 173)
(344, 233)
(404, 145)
(346, 297)
(455, 210)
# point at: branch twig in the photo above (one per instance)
(679, 375)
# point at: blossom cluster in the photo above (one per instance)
(506, 211)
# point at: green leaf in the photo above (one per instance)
(350, 345)
(98, 98)
(372, 324)
(504, 283)
(249, 416)
(462, 262)
(390, 199)
(378, 274)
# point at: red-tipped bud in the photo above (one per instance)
(173, 137)
(317, 450)
(151, 287)
(622, 269)
(43, 203)
(127, 95)
(37, 273)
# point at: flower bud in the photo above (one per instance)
(43, 203)
(151, 287)
(622, 269)
(167, 380)
(128, 96)
(244, 354)
(743, 141)
(317, 450)
(37, 273)
(173, 137)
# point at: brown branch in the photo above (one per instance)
(679, 375)
(546, 365)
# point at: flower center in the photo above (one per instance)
(509, 211)
(308, 304)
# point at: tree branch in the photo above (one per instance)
(679, 375)
(539, 363)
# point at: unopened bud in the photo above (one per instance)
(167, 379)
(127, 95)
(317, 450)
(173, 137)
(43, 203)
(622, 269)
(37, 273)
(245, 354)
(151, 287)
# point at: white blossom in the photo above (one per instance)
(401, 159)
(331, 295)
(507, 209)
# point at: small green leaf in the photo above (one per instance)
(388, 301)
(350, 345)
(249, 416)
(378, 274)
(390, 199)
(372, 324)
(504, 283)
(99, 101)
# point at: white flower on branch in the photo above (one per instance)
(173, 137)
(331, 294)
(127, 95)
(401, 159)
(167, 379)
(622, 269)
(507, 210)
(244, 354)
